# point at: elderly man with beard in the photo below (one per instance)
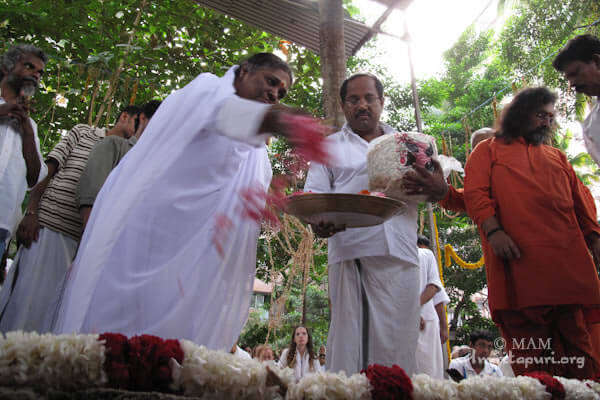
(21, 166)
(537, 229)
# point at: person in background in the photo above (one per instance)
(477, 364)
(263, 353)
(51, 229)
(322, 357)
(104, 157)
(579, 62)
(299, 355)
(239, 352)
(21, 166)
(428, 354)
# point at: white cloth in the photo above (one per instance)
(428, 356)
(241, 353)
(389, 276)
(302, 365)
(33, 281)
(391, 306)
(396, 237)
(463, 365)
(591, 132)
(13, 172)
(441, 297)
(505, 367)
(147, 262)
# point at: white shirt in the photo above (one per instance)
(441, 297)
(241, 353)
(463, 365)
(591, 133)
(396, 237)
(302, 366)
(13, 172)
(429, 275)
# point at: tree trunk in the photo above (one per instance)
(333, 58)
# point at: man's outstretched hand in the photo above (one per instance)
(422, 182)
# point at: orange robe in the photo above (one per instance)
(454, 200)
(546, 210)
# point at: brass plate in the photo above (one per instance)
(343, 209)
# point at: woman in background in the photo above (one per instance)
(300, 355)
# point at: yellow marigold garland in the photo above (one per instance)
(450, 254)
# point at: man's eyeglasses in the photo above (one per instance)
(544, 116)
(354, 100)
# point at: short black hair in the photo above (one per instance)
(422, 240)
(481, 334)
(344, 87)
(150, 108)
(9, 59)
(130, 109)
(580, 48)
(266, 60)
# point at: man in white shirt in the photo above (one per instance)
(476, 364)
(429, 356)
(147, 262)
(579, 62)
(21, 166)
(373, 271)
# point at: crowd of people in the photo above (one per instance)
(119, 230)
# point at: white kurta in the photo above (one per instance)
(147, 262)
(429, 356)
(591, 132)
(302, 366)
(373, 272)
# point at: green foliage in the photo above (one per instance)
(173, 42)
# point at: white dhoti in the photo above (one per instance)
(429, 356)
(374, 314)
(33, 281)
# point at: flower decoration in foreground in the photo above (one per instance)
(388, 382)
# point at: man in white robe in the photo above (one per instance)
(147, 261)
(373, 271)
(429, 356)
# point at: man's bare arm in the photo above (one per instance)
(29, 228)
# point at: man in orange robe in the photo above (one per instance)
(536, 223)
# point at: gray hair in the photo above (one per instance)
(9, 60)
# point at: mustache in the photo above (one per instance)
(361, 113)
(538, 135)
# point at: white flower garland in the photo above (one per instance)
(76, 361)
(331, 386)
(55, 361)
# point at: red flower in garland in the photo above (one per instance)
(115, 362)
(553, 385)
(140, 363)
(388, 382)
